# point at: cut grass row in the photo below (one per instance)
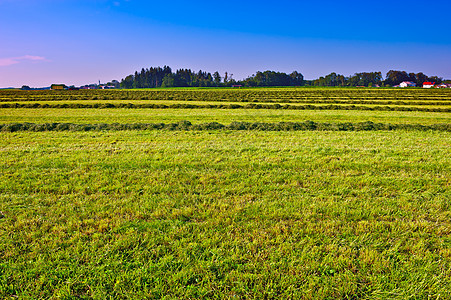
(216, 214)
(312, 100)
(116, 102)
(187, 105)
(186, 125)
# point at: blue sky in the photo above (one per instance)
(79, 42)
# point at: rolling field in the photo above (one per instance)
(165, 214)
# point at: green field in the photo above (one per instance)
(92, 116)
(163, 214)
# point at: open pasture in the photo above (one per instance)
(261, 98)
(394, 106)
(277, 95)
(162, 214)
(224, 116)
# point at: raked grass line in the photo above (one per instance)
(240, 126)
(217, 214)
(433, 104)
(157, 104)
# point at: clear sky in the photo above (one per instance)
(79, 42)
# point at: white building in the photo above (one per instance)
(428, 85)
(407, 84)
(444, 86)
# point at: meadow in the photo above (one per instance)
(223, 213)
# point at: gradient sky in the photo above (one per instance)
(79, 42)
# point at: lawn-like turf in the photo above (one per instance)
(225, 214)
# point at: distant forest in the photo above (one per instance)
(165, 77)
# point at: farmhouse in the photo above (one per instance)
(407, 84)
(89, 87)
(107, 87)
(428, 85)
(443, 86)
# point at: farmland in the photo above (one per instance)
(288, 98)
(288, 211)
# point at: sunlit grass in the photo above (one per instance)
(225, 116)
(225, 214)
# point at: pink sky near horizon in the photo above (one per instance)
(8, 61)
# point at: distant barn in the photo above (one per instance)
(58, 87)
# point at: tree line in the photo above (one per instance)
(392, 78)
(165, 77)
(155, 77)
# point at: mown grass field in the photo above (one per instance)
(274, 98)
(92, 116)
(225, 214)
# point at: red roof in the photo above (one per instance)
(428, 83)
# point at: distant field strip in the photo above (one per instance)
(227, 106)
(236, 95)
(225, 116)
(90, 102)
(285, 95)
(268, 98)
(312, 100)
